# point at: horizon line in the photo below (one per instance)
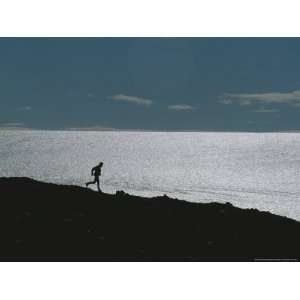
(92, 129)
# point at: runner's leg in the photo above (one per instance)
(91, 182)
(98, 184)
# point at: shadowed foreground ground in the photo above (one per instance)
(42, 221)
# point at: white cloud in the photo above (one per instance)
(132, 99)
(265, 110)
(90, 128)
(25, 108)
(226, 101)
(290, 98)
(181, 107)
(13, 124)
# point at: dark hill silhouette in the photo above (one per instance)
(42, 221)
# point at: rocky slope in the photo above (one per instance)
(42, 221)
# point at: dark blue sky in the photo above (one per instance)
(150, 83)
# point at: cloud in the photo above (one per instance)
(290, 98)
(265, 110)
(90, 128)
(132, 99)
(180, 107)
(13, 124)
(25, 108)
(226, 101)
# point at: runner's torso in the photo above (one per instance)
(97, 171)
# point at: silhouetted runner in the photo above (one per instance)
(96, 172)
